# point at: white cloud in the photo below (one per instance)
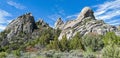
(58, 12)
(113, 21)
(61, 12)
(16, 5)
(108, 10)
(2, 27)
(3, 19)
(72, 16)
(54, 17)
(3, 15)
(116, 24)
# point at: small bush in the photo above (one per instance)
(16, 53)
(75, 42)
(93, 42)
(111, 51)
(64, 44)
(89, 54)
(111, 38)
(54, 44)
(3, 54)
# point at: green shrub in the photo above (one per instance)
(89, 55)
(16, 53)
(45, 39)
(64, 44)
(54, 44)
(75, 42)
(93, 42)
(3, 54)
(111, 51)
(111, 38)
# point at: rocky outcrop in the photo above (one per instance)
(86, 12)
(41, 23)
(59, 24)
(86, 23)
(22, 30)
(119, 27)
(24, 23)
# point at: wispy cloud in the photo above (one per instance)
(54, 17)
(113, 21)
(58, 12)
(116, 24)
(72, 16)
(3, 18)
(2, 27)
(3, 15)
(16, 5)
(108, 10)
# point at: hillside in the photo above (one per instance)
(84, 37)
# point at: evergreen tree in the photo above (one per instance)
(54, 44)
(111, 51)
(111, 38)
(92, 41)
(64, 44)
(75, 42)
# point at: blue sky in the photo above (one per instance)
(50, 10)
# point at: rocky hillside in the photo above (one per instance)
(92, 38)
(85, 23)
(23, 30)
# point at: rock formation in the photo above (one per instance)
(22, 29)
(41, 23)
(24, 23)
(86, 23)
(119, 27)
(86, 12)
(59, 24)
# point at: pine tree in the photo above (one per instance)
(54, 44)
(64, 44)
(92, 42)
(75, 42)
(111, 38)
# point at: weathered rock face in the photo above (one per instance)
(86, 12)
(41, 23)
(59, 24)
(86, 23)
(119, 27)
(22, 30)
(24, 23)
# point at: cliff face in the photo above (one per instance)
(59, 24)
(86, 23)
(22, 29)
(24, 23)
